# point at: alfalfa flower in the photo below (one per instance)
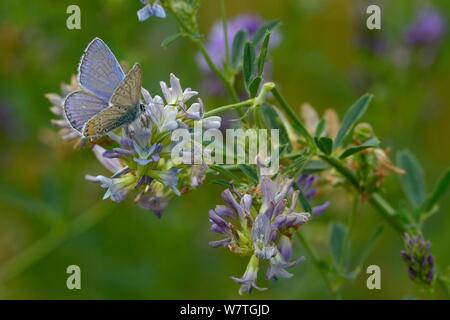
(174, 108)
(175, 95)
(306, 182)
(66, 131)
(150, 10)
(215, 45)
(372, 164)
(248, 281)
(418, 257)
(428, 28)
(139, 156)
(259, 222)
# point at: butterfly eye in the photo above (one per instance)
(142, 107)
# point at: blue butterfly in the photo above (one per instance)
(109, 99)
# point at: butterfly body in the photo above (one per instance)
(109, 99)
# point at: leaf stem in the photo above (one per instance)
(317, 263)
(225, 32)
(297, 123)
(238, 105)
(376, 200)
(217, 72)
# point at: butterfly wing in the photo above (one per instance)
(99, 72)
(80, 106)
(109, 119)
(129, 91)
(123, 109)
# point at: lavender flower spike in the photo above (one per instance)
(248, 280)
(260, 225)
(417, 255)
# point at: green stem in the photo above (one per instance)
(313, 256)
(55, 238)
(237, 106)
(342, 170)
(351, 224)
(297, 123)
(218, 73)
(225, 31)
(352, 217)
(381, 204)
(376, 200)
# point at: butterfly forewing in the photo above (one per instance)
(129, 91)
(99, 72)
(123, 109)
(81, 106)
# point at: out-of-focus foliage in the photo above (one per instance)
(326, 57)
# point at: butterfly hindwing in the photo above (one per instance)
(124, 106)
(99, 72)
(129, 91)
(109, 119)
(80, 106)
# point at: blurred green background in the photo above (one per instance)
(128, 252)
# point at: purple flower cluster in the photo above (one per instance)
(66, 131)
(306, 183)
(417, 255)
(139, 156)
(215, 45)
(150, 10)
(216, 38)
(260, 223)
(428, 28)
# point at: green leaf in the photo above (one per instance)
(303, 200)
(254, 86)
(269, 26)
(320, 129)
(371, 143)
(338, 235)
(273, 121)
(221, 182)
(263, 53)
(296, 123)
(438, 192)
(224, 172)
(170, 39)
(296, 166)
(413, 181)
(237, 47)
(249, 63)
(325, 144)
(316, 166)
(403, 215)
(353, 114)
(369, 244)
(249, 172)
